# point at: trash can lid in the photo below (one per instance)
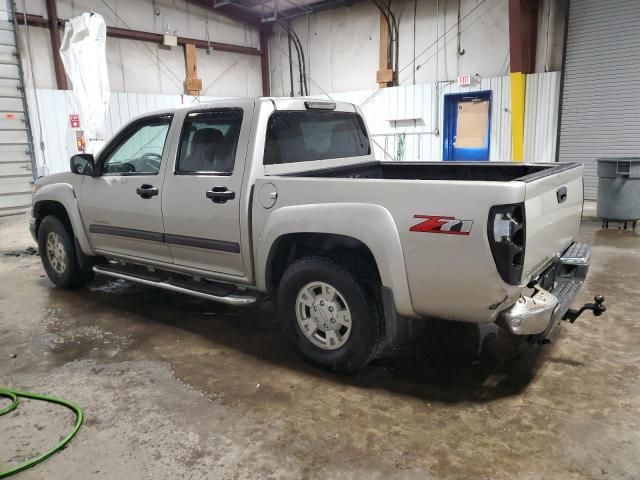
(619, 159)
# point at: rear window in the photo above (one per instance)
(302, 136)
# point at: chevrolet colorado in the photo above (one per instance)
(240, 199)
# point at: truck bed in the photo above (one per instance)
(462, 171)
(383, 204)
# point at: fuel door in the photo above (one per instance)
(268, 195)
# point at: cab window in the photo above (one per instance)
(209, 141)
(303, 136)
(139, 150)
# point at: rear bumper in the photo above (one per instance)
(555, 291)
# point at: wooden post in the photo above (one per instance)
(384, 76)
(52, 13)
(264, 63)
(192, 84)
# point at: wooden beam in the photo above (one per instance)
(523, 31)
(384, 76)
(264, 63)
(125, 33)
(192, 84)
(52, 14)
(32, 20)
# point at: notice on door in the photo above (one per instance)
(473, 124)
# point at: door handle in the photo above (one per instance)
(220, 194)
(147, 191)
(561, 194)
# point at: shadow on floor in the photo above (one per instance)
(444, 361)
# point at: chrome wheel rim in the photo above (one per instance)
(323, 315)
(56, 253)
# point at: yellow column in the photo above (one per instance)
(518, 88)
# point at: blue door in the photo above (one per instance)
(467, 126)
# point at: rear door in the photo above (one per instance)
(467, 127)
(201, 193)
(553, 209)
(121, 208)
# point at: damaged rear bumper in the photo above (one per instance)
(555, 291)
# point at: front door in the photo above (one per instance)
(467, 126)
(121, 207)
(201, 196)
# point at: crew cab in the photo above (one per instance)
(282, 197)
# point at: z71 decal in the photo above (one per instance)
(438, 224)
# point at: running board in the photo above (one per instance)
(229, 299)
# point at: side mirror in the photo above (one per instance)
(82, 164)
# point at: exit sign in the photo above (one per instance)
(464, 80)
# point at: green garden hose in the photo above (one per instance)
(13, 395)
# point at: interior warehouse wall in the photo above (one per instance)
(53, 137)
(406, 122)
(341, 45)
(399, 140)
(143, 67)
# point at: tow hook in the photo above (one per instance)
(597, 308)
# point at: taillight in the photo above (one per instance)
(507, 234)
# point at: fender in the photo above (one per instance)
(373, 225)
(63, 193)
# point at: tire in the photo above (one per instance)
(353, 343)
(59, 257)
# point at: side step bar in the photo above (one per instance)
(230, 299)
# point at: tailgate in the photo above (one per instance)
(553, 210)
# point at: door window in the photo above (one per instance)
(139, 150)
(209, 141)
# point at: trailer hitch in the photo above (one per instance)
(598, 308)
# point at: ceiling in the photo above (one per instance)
(263, 13)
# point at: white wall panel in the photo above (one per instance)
(541, 117)
(42, 62)
(420, 110)
(229, 74)
(415, 136)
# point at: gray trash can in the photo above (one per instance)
(619, 189)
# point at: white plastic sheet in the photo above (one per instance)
(83, 53)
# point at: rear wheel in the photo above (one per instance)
(329, 316)
(58, 255)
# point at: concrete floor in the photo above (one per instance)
(175, 387)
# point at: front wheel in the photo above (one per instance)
(58, 255)
(329, 316)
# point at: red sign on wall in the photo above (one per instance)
(74, 120)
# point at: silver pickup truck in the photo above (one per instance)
(237, 200)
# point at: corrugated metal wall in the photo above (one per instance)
(402, 120)
(407, 127)
(406, 121)
(541, 117)
(600, 100)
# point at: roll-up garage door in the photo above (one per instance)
(600, 109)
(16, 175)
